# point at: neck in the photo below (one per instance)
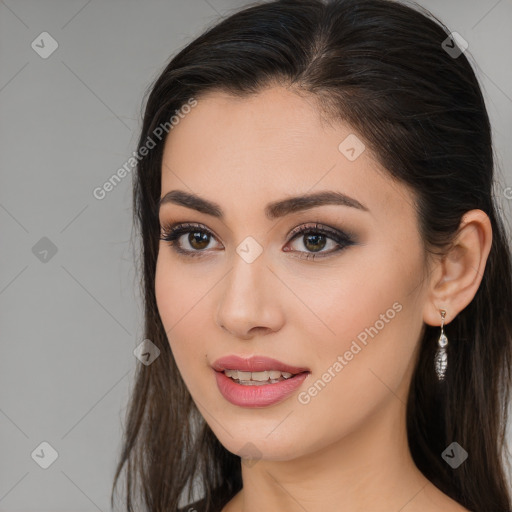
(369, 469)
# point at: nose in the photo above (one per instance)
(249, 301)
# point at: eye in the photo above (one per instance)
(198, 238)
(314, 239)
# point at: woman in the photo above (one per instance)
(325, 273)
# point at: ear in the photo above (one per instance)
(458, 274)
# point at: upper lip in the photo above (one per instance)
(254, 364)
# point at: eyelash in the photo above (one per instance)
(171, 234)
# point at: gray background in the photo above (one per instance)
(70, 323)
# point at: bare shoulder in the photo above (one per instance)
(438, 500)
(454, 506)
(234, 504)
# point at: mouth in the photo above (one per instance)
(258, 378)
(256, 370)
(257, 381)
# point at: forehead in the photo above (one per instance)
(269, 145)
(251, 122)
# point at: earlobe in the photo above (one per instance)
(460, 271)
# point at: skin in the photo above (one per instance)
(347, 448)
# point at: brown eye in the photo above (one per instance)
(315, 242)
(199, 240)
(314, 238)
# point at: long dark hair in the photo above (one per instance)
(387, 70)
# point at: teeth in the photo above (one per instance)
(250, 377)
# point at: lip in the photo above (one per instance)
(260, 395)
(254, 364)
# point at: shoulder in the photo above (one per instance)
(438, 500)
(217, 503)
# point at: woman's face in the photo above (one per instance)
(248, 286)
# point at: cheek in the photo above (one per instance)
(167, 284)
(178, 290)
(367, 312)
(181, 299)
(377, 322)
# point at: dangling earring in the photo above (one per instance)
(441, 359)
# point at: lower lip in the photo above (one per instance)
(260, 395)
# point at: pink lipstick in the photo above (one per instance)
(257, 381)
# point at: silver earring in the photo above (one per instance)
(441, 359)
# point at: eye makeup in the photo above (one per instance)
(316, 232)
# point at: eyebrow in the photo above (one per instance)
(273, 210)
